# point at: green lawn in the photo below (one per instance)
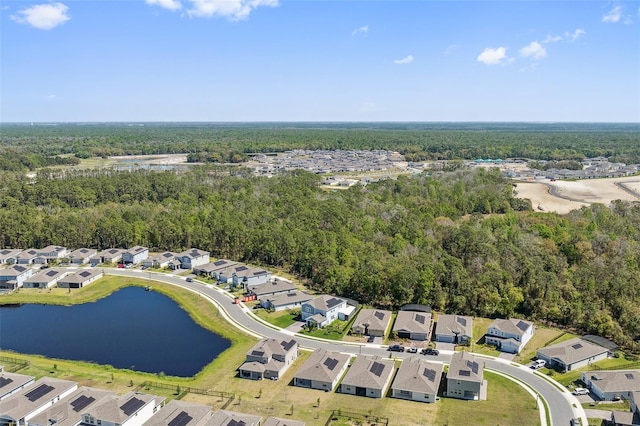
(334, 331)
(282, 319)
(543, 337)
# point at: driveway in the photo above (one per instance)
(506, 356)
(445, 346)
(597, 414)
(296, 327)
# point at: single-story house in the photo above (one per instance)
(454, 329)
(247, 276)
(131, 409)
(325, 309)
(13, 276)
(624, 418)
(82, 256)
(276, 421)
(160, 260)
(465, 378)
(135, 255)
(413, 325)
(231, 418)
(509, 335)
(282, 301)
(9, 256)
(271, 288)
(417, 380)
(80, 278)
(68, 411)
(192, 258)
(180, 413)
(54, 253)
(572, 354)
(11, 383)
(269, 359)
(45, 278)
(29, 257)
(368, 376)
(610, 385)
(322, 370)
(372, 322)
(108, 256)
(212, 269)
(20, 407)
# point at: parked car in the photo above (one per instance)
(120, 265)
(429, 351)
(189, 279)
(396, 348)
(371, 339)
(412, 350)
(574, 422)
(538, 364)
(580, 391)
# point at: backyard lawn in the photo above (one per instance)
(282, 319)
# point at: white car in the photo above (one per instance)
(412, 350)
(538, 364)
(580, 391)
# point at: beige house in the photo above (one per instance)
(131, 409)
(417, 380)
(269, 359)
(180, 413)
(572, 354)
(372, 322)
(368, 376)
(610, 385)
(465, 377)
(454, 329)
(68, 411)
(322, 370)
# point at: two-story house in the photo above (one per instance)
(325, 309)
(465, 378)
(509, 335)
(269, 359)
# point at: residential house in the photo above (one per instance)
(572, 354)
(368, 376)
(269, 359)
(68, 411)
(372, 322)
(246, 276)
(465, 377)
(325, 309)
(82, 256)
(45, 278)
(192, 258)
(454, 329)
(29, 257)
(624, 418)
(276, 421)
(290, 300)
(9, 256)
(80, 278)
(132, 409)
(509, 335)
(108, 256)
(322, 370)
(135, 255)
(212, 269)
(160, 260)
(180, 413)
(611, 385)
(11, 383)
(13, 276)
(231, 418)
(271, 288)
(417, 380)
(53, 253)
(20, 407)
(413, 325)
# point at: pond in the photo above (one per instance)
(132, 328)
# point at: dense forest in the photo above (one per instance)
(219, 143)
(458, 241)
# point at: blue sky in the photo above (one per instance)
(280, 60)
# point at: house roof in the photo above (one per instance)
(118, 409)
(248, 271)
(465, 366)
(28, 254)
(323, 366)
(162, 257)
(512, 326)
(417, 375)
(275, 286)
(52, 248)
(9, 253)
(625, 418)
(276, 421)
(180, 413)
(69, 410)
(111, 252)
(11, 381)
(413, 322)
(83, 252)
(615, 380)
(325, 302)
(369, 372)
(13, 271)
(269, 347)
(18, 405)
(376, 319)
(291, 297)
(81, 276)
(572, 351)
(46, 276)
(136, 249)
(231, 418)
(193, 253)
(449, 325)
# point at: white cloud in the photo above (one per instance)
(490, 56)
(362, 30)
(43, 16)
(613, 16)
(165, 4)
(533, 50)
(450, 49)
(233, 9)
(406, 60)
(552, 39)
(575, 35)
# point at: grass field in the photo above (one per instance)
(282, 319)
(543, 337)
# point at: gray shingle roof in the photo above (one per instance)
(228, 418)
(465, 366)
(417, 375)
(18, 405)
(615, 381)
(68, 411)
(454, 324)
(572, 351)
(323, 365)
(413, 322)
(181, 413)
(377, 319)
(511, 326)
(369, 372)
(275, 286)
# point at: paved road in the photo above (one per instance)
(559, 402)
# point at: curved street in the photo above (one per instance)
(560, 402)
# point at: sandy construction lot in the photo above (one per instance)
(564, 196)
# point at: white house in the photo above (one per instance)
(107, 256)
(28, 257)
(368, 376)
(181, 413)
(269, 359)
(454, 329)
(282, 301)
(610, 385)
(322, 370)
(231, 418)
(465, 378)
(160, 260)
(82, 256)
(247, 276)
(417, 380)
(572, 354)
(68, 411)
(135, 255)
(509, 335)
(13, 277)
(80, 278)
(11, 383)
(9, 256)
(132, 409)
(325, 309)
(192, 257)
(52, 253)
(45, 278)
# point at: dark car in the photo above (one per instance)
(396, 348)
(429, 351)
(371, 339)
